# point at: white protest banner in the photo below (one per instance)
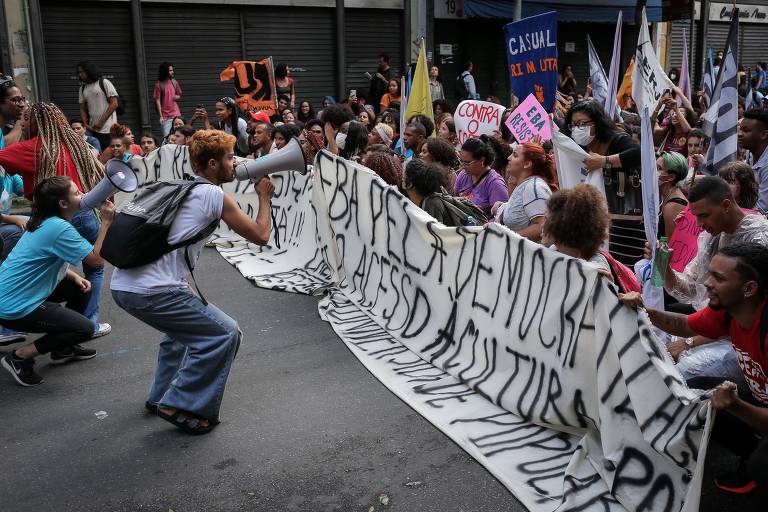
(520, 354)
(569, 160)
(528, 120)
(474, 118)
(648, 78)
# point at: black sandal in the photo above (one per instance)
(187, 422)
(150, 407)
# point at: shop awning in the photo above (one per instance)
(567, 10)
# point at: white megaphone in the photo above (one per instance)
(118, 177)
(289, 158)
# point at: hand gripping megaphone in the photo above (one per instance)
(118, 177)
(289, 158)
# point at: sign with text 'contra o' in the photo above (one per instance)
(474, 118)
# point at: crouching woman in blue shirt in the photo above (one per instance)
(35, 280)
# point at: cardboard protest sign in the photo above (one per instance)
(532, 57)
(684, 241)
(254, 85)
(474, 118)
(529, 120)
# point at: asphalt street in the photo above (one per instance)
(305, 427)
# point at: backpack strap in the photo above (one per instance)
(103, 88)
(763, 328)
(188, 243)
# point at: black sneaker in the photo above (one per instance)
(73, 353)
(738, 481)
(23, 370)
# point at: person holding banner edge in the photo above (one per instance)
(737, 287)
(615, 154)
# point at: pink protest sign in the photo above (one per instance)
(529, 120)
(474, 118)
(684, 241)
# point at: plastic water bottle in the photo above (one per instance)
(471, 221)
(660, 263)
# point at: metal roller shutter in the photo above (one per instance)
(302, 38)
(365, 39)
(753, 43)
(200, 41)
(75, 31)
(676, 43)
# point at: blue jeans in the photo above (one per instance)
(10, 234)
(86, 223)
(196, 353)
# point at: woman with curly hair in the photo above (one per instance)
(387, 166)
(441, 153)
(576, 223)
(534, 172)
(741, 178)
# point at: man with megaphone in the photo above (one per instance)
(200, 342)
(52, 148)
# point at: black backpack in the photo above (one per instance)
(455, 210)
(120, 110)
(139, 233)
(462, 93)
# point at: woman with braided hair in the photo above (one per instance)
(52, 148)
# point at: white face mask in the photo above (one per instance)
(581, 135)
(341, 140)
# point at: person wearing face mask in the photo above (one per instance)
(614, 153)
(333, 118)
(672, 169)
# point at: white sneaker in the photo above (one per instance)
(102, 330)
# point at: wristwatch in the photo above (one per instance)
(607, 164)
(689, 342)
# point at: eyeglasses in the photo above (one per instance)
(581, 124)
(17, 99)
(467, 162)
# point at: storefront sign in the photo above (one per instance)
(719, 11)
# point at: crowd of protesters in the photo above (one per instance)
(715, 310)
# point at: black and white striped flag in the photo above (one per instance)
(721, 119)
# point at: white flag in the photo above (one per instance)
(648, 78)
(569, 159)
(649, 179)
(612, 107)
(685, 76)
(601, 91)
(721, 119)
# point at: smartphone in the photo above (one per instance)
(199, 106)
(353, 93)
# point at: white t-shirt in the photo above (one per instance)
(528, 201)
(202, 206)
(97, 103)
(242, 134)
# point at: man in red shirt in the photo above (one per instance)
(737, 286)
